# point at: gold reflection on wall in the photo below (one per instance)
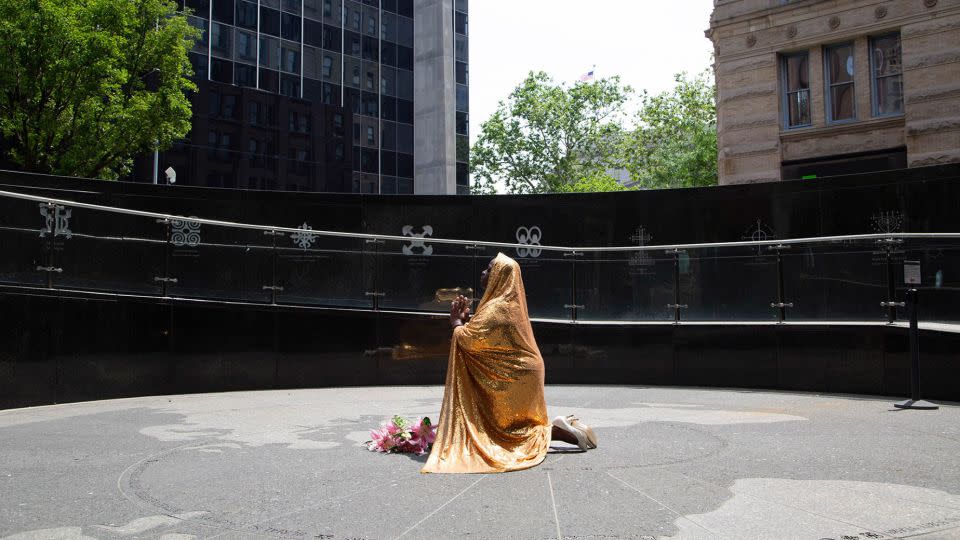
(448, 295)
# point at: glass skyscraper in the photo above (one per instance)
(318, 95)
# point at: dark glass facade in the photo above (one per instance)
(311, 95)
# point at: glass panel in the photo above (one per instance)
(332, 38)
(220, 40)
(548, 280)
(405, 31)
(835, 282)
(330, 68)
(21, 224)
(219, 262)
(886, 56)
(312, 9)
(246, 46)
(353, 69)
(269, 21)
(312, 33)
(312, 60)
(388, 27)
(939, 289)
(841, 102)
(840, 61)
(460, 46)
(798, 105)
(422, 276)
(889, 95)
(222, 11)
(112, 252)
(463, 98)
(625, 286)
(290, 58)
(320, 270)
(290, 27)
(247, 14)
(463, 148)
(797, 73)
(732, 284)
(244, 75)
(269, 52)
(404, 84)
(221, 70)
(201, 44)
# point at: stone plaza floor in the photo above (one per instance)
(672, 463)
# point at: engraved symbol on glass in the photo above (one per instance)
(56, 221)
(417, 241)
(759, 233)
(530, 237)
(303, 238)
(184, 232)
(887, 222)
(640, 258)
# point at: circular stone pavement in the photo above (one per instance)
(672, 463)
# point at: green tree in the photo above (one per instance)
(86, 85)
(546, 136)
(597, 181)
(674, 143)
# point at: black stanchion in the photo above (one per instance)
(914, 402)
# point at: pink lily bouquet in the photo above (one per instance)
(402, 435)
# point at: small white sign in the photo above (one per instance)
(911, 272)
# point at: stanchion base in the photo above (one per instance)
(918, 404)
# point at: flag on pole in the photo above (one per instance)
(588, 76)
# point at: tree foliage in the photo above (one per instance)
(597, 181)
(553, 138)
(675, 140)
(546, 136)
(86, 85)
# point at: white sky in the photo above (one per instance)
(644, 41)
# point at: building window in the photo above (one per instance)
(371, 141)
(887, 75)
(839, 69)
(327, 69)
(795, 75)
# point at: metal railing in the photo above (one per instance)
(846, 277)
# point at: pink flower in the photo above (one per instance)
(402, 435)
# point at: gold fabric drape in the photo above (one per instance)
(493, 417)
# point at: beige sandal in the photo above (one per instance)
(582, 440)
(587, 430)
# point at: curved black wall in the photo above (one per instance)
(58, 346)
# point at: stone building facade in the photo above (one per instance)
(823, 87)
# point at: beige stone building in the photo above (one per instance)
(823, 87)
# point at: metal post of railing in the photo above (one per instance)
(273, 287)
(891, 304)
(48, 248)
(376, 293)
(573, 306)
(914, 402)
(165, 279)
(780, 304)
(676, 306)
(475, 250)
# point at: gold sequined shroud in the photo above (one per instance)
(493, 417)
